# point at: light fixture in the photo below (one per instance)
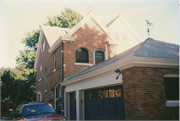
(118, 72)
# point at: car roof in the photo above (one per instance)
(32, 103)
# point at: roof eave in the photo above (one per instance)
(58, 42)
(128, 62)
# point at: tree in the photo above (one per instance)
(26, 59)
(10, 79)
(67, 19)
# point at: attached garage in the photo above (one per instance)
(73, 106)
(104, 104)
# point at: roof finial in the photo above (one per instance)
(148, 25)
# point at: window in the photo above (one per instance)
(43, 46)
(54, 61)
(59, 90)
(99, 56)
(39, 96)
(171, 85)
(82, 56)
(40, 72)
(45, 79)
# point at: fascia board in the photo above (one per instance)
(105, 29)
(55, 45)
(128, 62)
(76, 27)
(38, 49)
(58, 43)
(125, 63)
(129, 27)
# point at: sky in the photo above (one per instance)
(21, 16)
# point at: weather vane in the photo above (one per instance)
(148, 27)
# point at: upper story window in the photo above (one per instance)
(99, 56)
(171, 84)
(43, 46)
(82, 55)
(45, 79)
(40, 72)
(54, 61)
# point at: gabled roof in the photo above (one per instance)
(121, 19)
(51, 34)
(149, 48)
(90, 15)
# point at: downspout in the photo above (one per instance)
(62, 77)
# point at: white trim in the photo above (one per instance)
(101, 26)
(55, 62)
(106, 52)
(54, 70)
(83, 64)
(127, 62)
(172, 103)
(40, 79)
(58, 42)
(171, 75)
(38, 49)
(45, 90)
(39, 92)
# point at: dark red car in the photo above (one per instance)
(37, 112)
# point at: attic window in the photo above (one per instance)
(43, 46)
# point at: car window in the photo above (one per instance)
(37, 109)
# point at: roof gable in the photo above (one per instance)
(90, 15)
(48, 31)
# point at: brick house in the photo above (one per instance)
(106, 72)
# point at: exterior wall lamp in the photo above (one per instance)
(118, 72)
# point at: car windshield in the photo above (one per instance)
(38, 109)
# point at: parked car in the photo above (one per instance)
(37, 112)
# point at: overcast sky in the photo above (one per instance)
(20, 17)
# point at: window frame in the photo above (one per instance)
(95, 55)
(45, 80)
(43, 46)
(171, 103)
(82, 63)
(40, 73)
(40, 94)
(55, 62)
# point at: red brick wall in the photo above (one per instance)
(144, 93)
(46, 60)
(89, 36)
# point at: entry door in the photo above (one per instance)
(73, 106)
(104, 104)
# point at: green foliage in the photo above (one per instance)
(9, 83)
(67, 19)
(20, 95)
(58, 100)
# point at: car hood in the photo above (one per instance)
(41, 117)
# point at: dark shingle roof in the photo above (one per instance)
(149, 48)
(158, 49)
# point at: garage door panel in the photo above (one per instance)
(104, 104)
(112, 104)
(112, 115)
(100, 104)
